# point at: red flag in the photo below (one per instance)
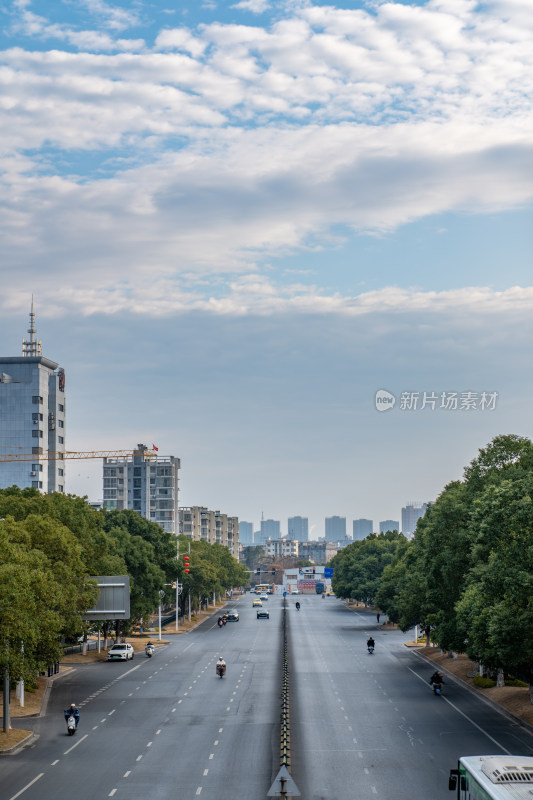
(155, 448)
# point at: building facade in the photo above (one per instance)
(298, 528)
(32, 419)
(317, 552)
(270, 529)
(145, 483)
(389, 525)
(362, 528)
(335, 529)
(410, 516)
(200, 523)
(246, 533)
(281, 548)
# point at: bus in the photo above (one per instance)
(264, 588)
(493, 778)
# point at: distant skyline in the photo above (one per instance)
(287, 241)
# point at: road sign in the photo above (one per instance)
(283, 785)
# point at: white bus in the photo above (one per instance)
(493, 778)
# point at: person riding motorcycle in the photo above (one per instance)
(72, 711)
(221, 666)
(370, 643)
(436, 678)
(297, 606)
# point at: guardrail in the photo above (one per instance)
(285, 732)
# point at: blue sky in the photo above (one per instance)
(240, 220)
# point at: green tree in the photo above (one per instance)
(358, 568)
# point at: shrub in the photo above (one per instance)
(484, 683)
(515, 682)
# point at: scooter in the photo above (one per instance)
(221, 670)
(370, 648)
(437, 688)
(220, 623)
(71, 725)
(149, 650)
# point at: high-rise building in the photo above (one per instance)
(298, 528)
(389, 525)
(146, 483)
(411, 513)
(32, 418)
(246, 533)
(199, 523)
(317, 552)
(270, 529)
(362, 528)
(335, 530)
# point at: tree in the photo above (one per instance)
(44, 590)
(359, 567)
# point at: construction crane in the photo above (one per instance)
(51, 455)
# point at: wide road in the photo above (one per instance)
(369, 726)
(362, 726)
(165, 727)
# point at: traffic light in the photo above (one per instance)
(186, 564)
(258, 571)
(273, 572)
(314, 570)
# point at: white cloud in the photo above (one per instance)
(255, 6)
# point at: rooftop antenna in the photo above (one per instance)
(34, 346)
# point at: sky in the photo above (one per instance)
(288, 241)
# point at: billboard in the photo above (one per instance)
(113, 600)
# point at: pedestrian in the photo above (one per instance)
(378, 616)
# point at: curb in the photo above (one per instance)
(495, 706)
(12, 751)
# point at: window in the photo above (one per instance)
(109, 483)
(60, 439)
(37, 484)
(60, 488)
(109, 472)
(36, 451)
(137, 494)
(137, 483)
(37, 399)
(36, 467)
(61, 407)
(137, 471)
(37, 434)
(60, 472)
(36, 417)
(60, 423)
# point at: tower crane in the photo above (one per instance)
(52, 455)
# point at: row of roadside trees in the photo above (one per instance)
(466, 576)
(51, 545)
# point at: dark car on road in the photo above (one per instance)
(262, 613)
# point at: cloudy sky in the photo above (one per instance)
(240, 220)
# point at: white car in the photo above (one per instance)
(263, 597)
(120, 652)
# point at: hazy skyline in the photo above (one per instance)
(242, 220)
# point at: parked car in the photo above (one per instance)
(257, 604)
(263, 614)
(232, 615)
(120, 652)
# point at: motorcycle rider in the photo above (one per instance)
(221, 666)
(370, 643)
(297, 606)
(436, 678)
(72, 711)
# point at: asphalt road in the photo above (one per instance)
(362, 726)
(165, 727)
(369, 726)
